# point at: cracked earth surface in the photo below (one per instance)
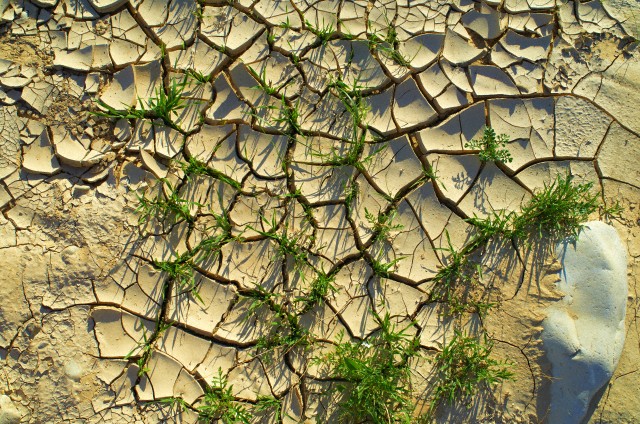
(80, 284)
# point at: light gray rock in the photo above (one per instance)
(9, 414)
(584, 332)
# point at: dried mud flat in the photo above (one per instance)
(325, 140)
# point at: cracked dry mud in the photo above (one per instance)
(80, 287)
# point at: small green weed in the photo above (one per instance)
(382, 224)
(559, 209)
(180, 271)
(320, 289)
(455, 283)
(376, 375)
(165, 206)
(387, 44)
(219, 404)
(266, 403)
(323, 33)
(195, 167)
(199, 76)
(491, 146)
(380, 268)
(163, 105)
(463, 367)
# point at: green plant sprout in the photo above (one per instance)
(219, 404)
(323, 33)
(387, 44)
(374, 375)
(195, 167)
(382, 223)
(491, 146)
(163, 105)
(165, 205)
(463, 367)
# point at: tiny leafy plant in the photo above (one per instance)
(387, 44)
(463, 367)
(195, 167)
(270, 404)
(323, 33)
(455, 284)
(382, 269)
(163, 105)
(491, 146)
(382, 223)
(165, 206)
(559, 208)
(219, 404)
(375, 375)
(321, 287)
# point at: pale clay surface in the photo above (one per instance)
(584, 333)
(77, 287)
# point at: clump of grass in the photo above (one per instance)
(463, 367)
(558, 209)
(380, 268)
(144, 347)
(266, 86)
(286, 330)
(195, 167)
(382, 224)
(321, 287)
(375, 375)
(323, 33)
(455, 284)
(219, 404)
(289, 115)
(199, 76)
(165, 206)
(387, 44)
(357, 108)
(491, 146)
(289, 245)
(163, 105)
(180, 271)
(267, 403)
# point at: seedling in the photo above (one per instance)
(454, 283)
(195, 167)
(382, 224)
(180, 271)
(199, 76)
(560, 209)
(288, 244)
(290, 115)
(376, 374)
(323, 33)
(219, 404)
(266, 403)
(163, 105)
(387, 44)
(263, 84)
(463, 367)
(171, 205)
(491, 146)
(320, 289)
(382, 269)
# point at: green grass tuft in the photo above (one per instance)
(463, 367)
(375, 375)
(491, 146)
